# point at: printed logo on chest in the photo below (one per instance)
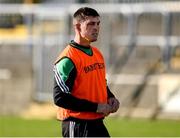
(93, 67)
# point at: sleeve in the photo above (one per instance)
(64, 74)
(110, 94)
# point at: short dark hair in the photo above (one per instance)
(84, 12)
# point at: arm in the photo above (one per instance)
(112, 101)
(110, 94)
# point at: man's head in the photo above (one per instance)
(86, 21)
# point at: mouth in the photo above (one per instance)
(95, 34)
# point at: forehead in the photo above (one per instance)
(92, 19)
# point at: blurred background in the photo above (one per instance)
(140, 40)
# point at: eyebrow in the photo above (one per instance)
(94, 22)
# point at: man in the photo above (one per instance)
(80, 89)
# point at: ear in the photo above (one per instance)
(78, 27)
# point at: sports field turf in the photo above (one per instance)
(15, 126)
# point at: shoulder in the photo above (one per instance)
(65, 61)
(64, 64)
(67, 52)
(96, 51)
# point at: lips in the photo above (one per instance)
(95, 34)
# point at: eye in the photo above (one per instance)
(91, 23)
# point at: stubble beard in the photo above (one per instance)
(95, 38)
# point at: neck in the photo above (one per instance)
(82, 41)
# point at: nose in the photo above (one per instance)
(96, 27)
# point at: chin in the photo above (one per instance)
(93, 40)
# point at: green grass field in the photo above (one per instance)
(15, 126)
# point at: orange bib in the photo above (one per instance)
(89, 84)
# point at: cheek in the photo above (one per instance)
(89, 30)
(83, 29)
